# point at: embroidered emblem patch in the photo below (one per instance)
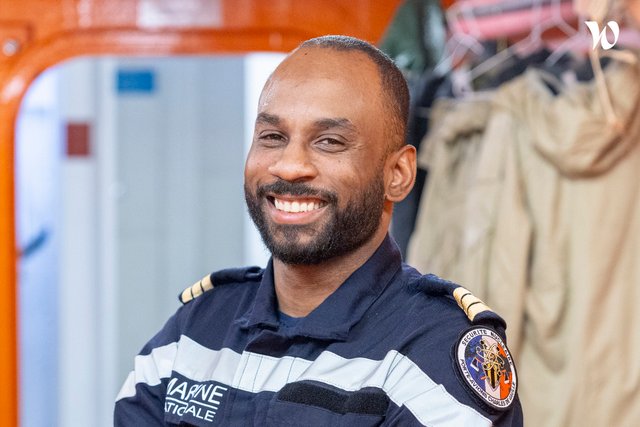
(487, 367)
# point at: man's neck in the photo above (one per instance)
(302, 288)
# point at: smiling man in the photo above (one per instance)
(336, 330)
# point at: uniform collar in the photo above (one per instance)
(333, 319)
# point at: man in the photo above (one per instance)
(336, 330)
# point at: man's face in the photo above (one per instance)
(314, 175)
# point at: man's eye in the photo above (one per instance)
(331, 144)
(271, 139)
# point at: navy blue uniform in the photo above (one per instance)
(381, 350)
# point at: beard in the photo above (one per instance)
(344, 231)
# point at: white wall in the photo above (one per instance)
(80, 279)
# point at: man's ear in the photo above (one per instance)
(401, 173)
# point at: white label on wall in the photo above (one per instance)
(183, 13)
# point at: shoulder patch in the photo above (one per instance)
(486, 367)
(194, 291)
(230, 275)
(469, 303)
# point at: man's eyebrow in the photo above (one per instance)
(327, 123)
(330, 123)
(267, 118)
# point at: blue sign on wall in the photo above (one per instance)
(136, 81)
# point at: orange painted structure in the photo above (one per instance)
(36, 34)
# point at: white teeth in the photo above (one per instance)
(295, 206)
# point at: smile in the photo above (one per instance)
(300, 210)
(299, 205)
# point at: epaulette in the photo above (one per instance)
(469, 303)
(217, 278)
(474, 308)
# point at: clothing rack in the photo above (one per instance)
(507, 19)
(501, 6)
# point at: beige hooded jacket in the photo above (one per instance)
(551, 241)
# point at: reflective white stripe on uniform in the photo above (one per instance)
(401, 379)
(150, 369)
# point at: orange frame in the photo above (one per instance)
(36, 34)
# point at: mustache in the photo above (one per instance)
(282, 187)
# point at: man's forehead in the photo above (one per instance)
(319, 55)
(326, 63)
(307, 72)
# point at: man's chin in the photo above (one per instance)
(295, 233)
(293, 245)
(293, 238)
(296, 255)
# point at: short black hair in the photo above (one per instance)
(394, 85)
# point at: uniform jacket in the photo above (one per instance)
(382, 349)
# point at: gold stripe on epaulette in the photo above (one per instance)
(469, 303)
(197, 289)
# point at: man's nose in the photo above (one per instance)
(294, 163)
